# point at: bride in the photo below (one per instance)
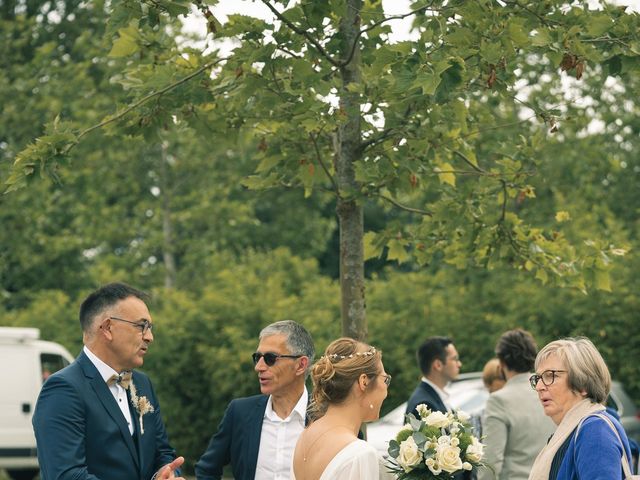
(349, 386)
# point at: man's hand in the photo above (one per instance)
(169, 470)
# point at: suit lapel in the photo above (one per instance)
(253, 426)
(435, 397)
(109, 403)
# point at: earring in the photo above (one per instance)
(371, 406)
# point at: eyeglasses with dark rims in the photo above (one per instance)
(143, 325)
(547, 377)
(270, 358)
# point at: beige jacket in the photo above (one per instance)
(515, 429)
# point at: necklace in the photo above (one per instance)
(304, 455)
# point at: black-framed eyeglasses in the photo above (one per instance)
(387, 379)
(547, 377)
(143, 325)
(270, 358)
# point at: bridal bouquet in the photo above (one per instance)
(434, 446)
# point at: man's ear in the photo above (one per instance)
(105, 329)
(437, 365)
(303, 365)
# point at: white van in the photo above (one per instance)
(25, 362)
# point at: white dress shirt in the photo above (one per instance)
(119, 393)
(278, 440)
(443, 394)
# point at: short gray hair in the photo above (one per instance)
(587, 370)
(299, 341)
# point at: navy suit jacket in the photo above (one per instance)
(425, 393)
(81, 433)
(237, 441)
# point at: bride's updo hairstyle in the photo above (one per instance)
(333, 375)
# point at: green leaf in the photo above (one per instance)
(518, 33)
(599, 24)
(541, 38)
(447, 176)
(602, 280)
(428, 82)
(372, 249)
(128, 41)
(491, 52)
(397, 251)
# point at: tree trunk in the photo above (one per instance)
(349, 210)
(167, 224)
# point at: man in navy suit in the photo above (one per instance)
(96, 419)
(440, 364)
(258, 434)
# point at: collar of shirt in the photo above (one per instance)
(444, 396)
(104, 370)
(300, 409)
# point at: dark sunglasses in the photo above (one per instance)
(270, 358)
(547, 377)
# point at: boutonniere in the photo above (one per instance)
(141, 404)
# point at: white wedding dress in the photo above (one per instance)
(357, 461)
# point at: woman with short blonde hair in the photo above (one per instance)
(573, 382)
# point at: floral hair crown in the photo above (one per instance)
(335, 356)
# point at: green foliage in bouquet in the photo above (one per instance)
(435, 446)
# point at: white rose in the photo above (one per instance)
(463, 416)
(423, 410)
(455, 441)
(409, 455)
(437, 419)
(475, 450)
(467, 466)
(431, 465)
(448, 458)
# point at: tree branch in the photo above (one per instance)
(404, 207)
(377, 24)
(302, 32)
(148, 97)
(314, 140)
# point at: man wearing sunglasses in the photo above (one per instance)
(257, 435)
(97, 418)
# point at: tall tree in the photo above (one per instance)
(447, 127)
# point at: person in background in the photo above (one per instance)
(514, 425)
(257, 434)
(349, 386)
(99, 418)
(573, 382)
(439, 363)
(493, 376)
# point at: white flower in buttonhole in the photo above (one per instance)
(410, 455)
(437, 419)
(141, 404)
